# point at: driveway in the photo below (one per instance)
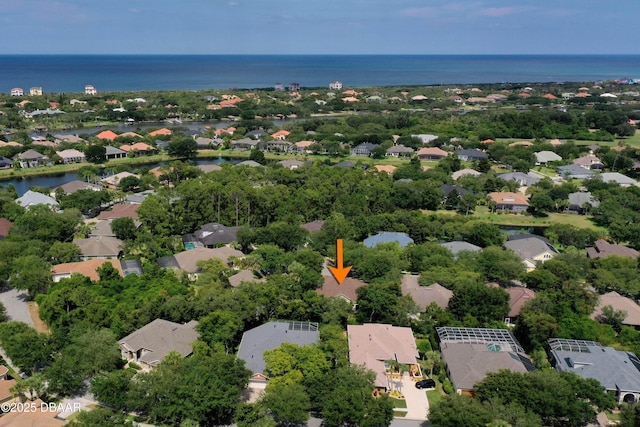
(417, 403)
(15, 301)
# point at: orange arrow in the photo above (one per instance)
(339, 272)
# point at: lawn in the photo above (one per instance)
(398, 414)
(517, 220)
(399, 403)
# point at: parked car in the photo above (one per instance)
(428, 383)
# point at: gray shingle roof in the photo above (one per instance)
(385, 236)
(615, 370)
(161, 337)
(271, 335)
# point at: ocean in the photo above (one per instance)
(70, 73)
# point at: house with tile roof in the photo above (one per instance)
(347, 290)
(244, 276)
(508, 201)
(280, 135)
(470, 354)
(108, 135)
(88, 268)
(574, 172)
(269, 336)
(150, 344)
(618, 303)
(424, 296)
(432, 153)
(120, 210)
(100, 247)
(617, 371)
(161, 132)
(518, 297)
(5, 226)
(39, 417)
(139, 148)
(17, 91)
(374, 345)
(603, 249)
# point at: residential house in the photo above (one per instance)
(574, 172)
(150, 344)
(313, 225)
(269, 336)
(581, 202)
(120, 210)
(32, 159)
(590, 161)
(425, 138)
(400, 151)
(280, 135)
(518, 297)
(294, 87)
(208, 143)
(459, 246)
(390, 169)
(386, 237)
(32, 198)
(108, 135)
(291, 164)
(86, 268)
(244, 144)
(508, 201)
(213, 234)
(618, 303)
(90, 90)
(100, 247)
(378, 346)
(114, 153)
(17, 91)
(335, 85)
(41, 416)
(471, 155)
(73, 186)
(113, 181)
(276, 145)
(544, 157)
(302, 147)
(432, 153)
(523, 179)
(131, 266)
(424, 296)
(244, 276)
(72, 156)
(531, 249)
(35, 91)
(465, 172)
(471, 353)
(71, 139)
(616, 370)
(448, 189)
(603, 249)
(278, 87)
(159, 132)
(256, 134)
(5, 162)
(364, 149)
(187, 261)
(5, 226)
(618, 178)
(139, 148)
(346, 290)
(249, 163)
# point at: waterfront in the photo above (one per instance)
(69, 73)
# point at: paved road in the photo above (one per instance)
(15, 302)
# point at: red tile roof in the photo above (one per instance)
(517, 298)
(86, 268)
(331, 288)
(509, 198)
(120, 211)
(107, 134)
(5, 225)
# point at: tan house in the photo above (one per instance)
(424, 296)
(346, 290)
(377, 346)
(88, 268)
(432, 153)
(72, 156)
(618, 303)
(150, 344)
(531, 249)
(187, 261)
(603, 249)
(518, 297)
(508, 201)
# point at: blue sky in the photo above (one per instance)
(320, 26)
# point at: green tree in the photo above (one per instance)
(182, 147)
(288, 404)
(486, 304)
(95, 153)
(257, 156)
(124, 228)
(112, 389)
(61, 252)
(32, 274)
(222, 327)
(100, 417)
